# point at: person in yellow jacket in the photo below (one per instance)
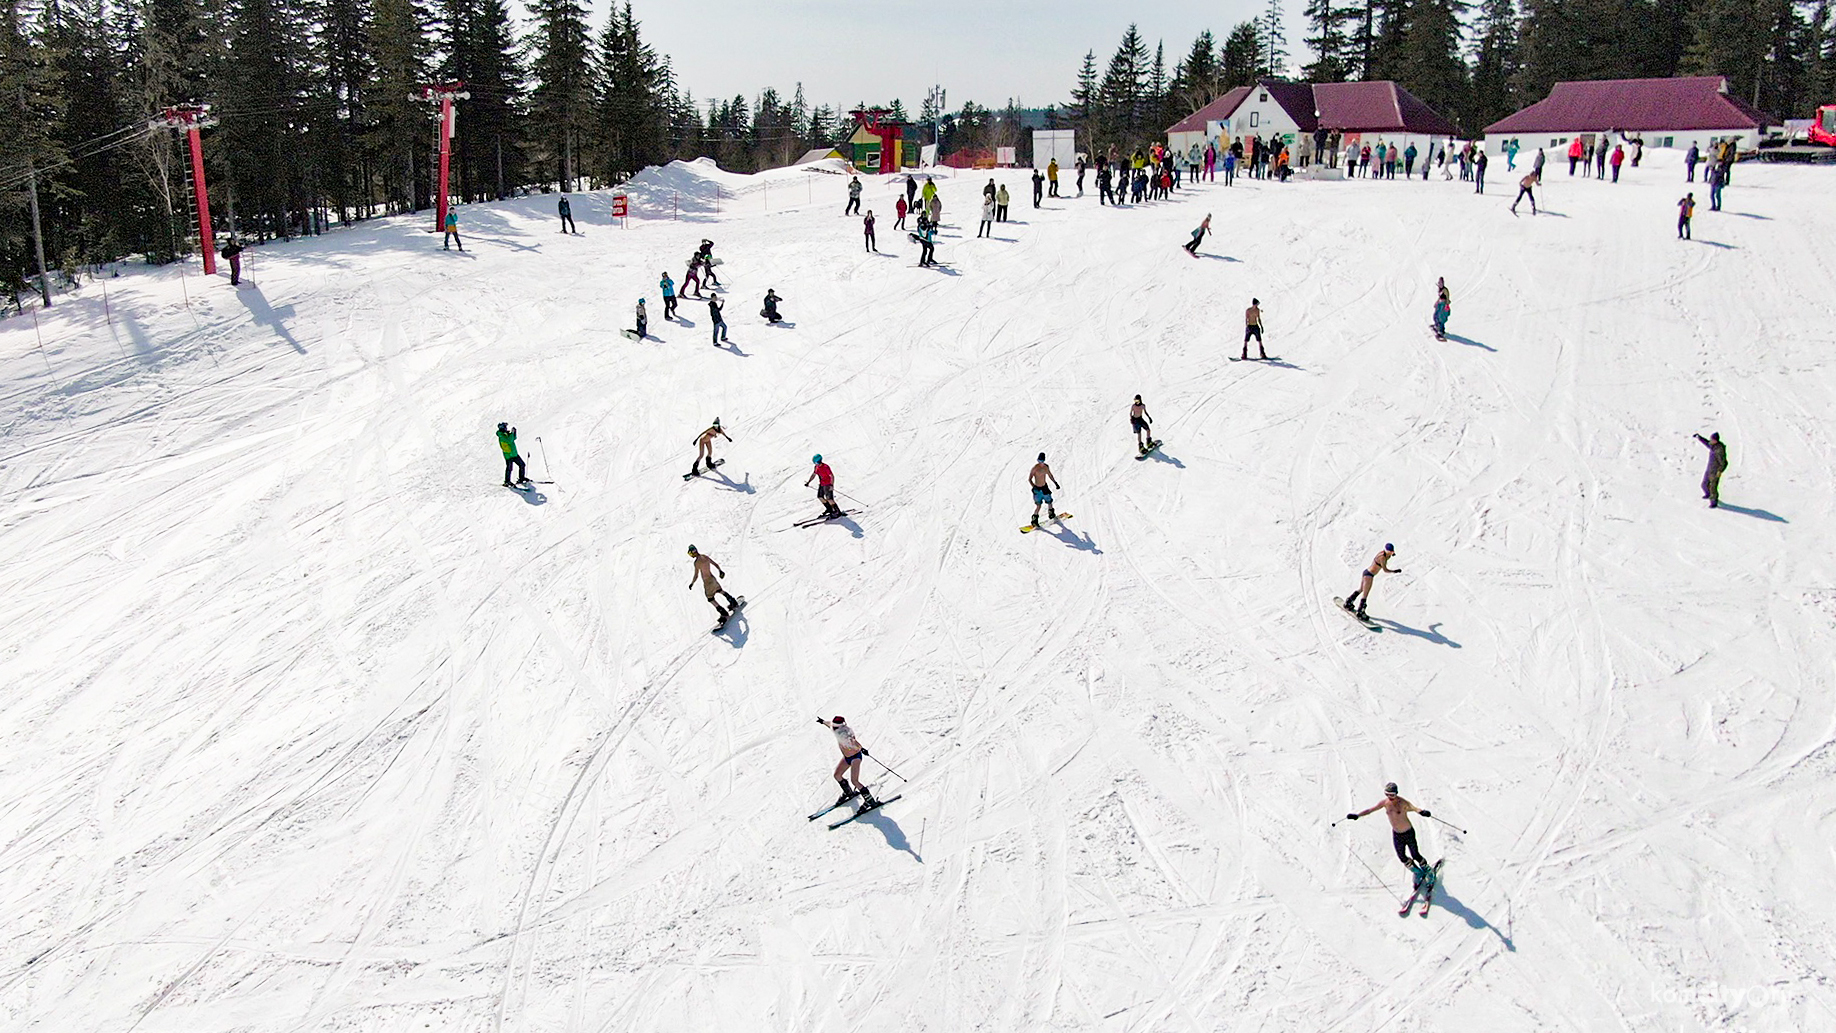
(1052, 178)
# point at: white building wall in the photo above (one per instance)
(1555, 145)
(1260, 115)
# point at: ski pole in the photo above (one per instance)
(861, 504)
(1367, 866)
(546, 472)
(1449, 824)
(888, 767)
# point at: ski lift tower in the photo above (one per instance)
(443, 94)
(190, 119)
(873, 120)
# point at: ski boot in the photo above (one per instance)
(867, 801)
(848, 793)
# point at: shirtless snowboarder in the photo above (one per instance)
(1140, 421)
(705, 569)
(1402, 834)
(1363, 594)
(852, 751)
(704, 447)
(1042, 482)
(1252, 327)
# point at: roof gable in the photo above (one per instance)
(1377, 106)
(1687, 102)
(1216, 111)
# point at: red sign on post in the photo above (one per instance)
(620, 206)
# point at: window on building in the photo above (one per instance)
(1264, 98)
(1255, 118)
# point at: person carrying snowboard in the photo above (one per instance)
(1252, 327)
(825, 486)
(642, 330)
(770, 311)
(852, 751)
(1363, 594)
(1140, 422)
(1198, 236)
(506, 440)
(1717, 465)
(720, 325)
(1042, 482)
(1402, 833)
(706, 254)
(704, 446)
(705, 569)
(1443, 307)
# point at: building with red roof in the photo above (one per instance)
(1205, 123)
(1664, 112)
(1296, 113)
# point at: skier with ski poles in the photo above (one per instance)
(506, 440)
(1042, 482)
(1402, 833)
(1198, 236)
(704, 446)
(1381, 563)
(1252, 327)
(825, 486)
(852, 751)
(1139, 421)
(705, 569)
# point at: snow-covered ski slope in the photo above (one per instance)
(307, 724)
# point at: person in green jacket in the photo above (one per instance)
(506, 440)
(452, 232)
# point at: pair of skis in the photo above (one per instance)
(859, 812)
(825, 518)
(1426, 879)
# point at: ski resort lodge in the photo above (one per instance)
(1665, 112)
(1361, 112)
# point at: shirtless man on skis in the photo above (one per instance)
(852, 751)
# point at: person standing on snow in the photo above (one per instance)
(691, 280)
(1717, 176)
(1402, 833)
(1717, 465)
(451, 228)
(1381, 563)
(1002, 197)
(929, 193)
(988, 213)
(1042, 482)
(1142, 424)
(911, 191)
(1685, 208)
(1480, 161)
(1690, 160)
(1619, 158)
(232, 252)
(854, 196)
(852, 751)
(643, 321)
(704, 446)
(1443, 307)
(867, 228)
(1080, 174)
(1198, 235)
(825, 486)
(668, 287)
(1252, 327)
(506, 440)
(1104, 194)
(705, 569)
(1537, 165)
(720, 325)
(1600, 158)
(1052, 176)
(899, 209)
(567, 215)
(1575, 150)
(1038, 187)
(1510, 155)
(1526, 188)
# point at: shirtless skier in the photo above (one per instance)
(852, 751)
(705, 569)
(1381, 563)
(704, 447)
(1402, 834)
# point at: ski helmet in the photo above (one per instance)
(716, 421)
(691, 550)
(839, 720)
(1042, 457)
(817, 458)
(1389, 789)
(1387, 547)
(501, 426)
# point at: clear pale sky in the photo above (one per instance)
(844, 51)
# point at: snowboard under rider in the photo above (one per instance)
(1402, 833)
(704, 446)
(705, 569)
(1381, 563)
(1042, 482)
(852, 751)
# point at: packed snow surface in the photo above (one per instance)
(308, 724)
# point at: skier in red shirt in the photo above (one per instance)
(825, 486)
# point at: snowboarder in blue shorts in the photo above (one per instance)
(1042, 483)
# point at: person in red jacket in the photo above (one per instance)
(899, 208)
(1574, 155)
(1619, 158)
(825, 486)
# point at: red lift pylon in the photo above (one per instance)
(444, 94)
(189, 119)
